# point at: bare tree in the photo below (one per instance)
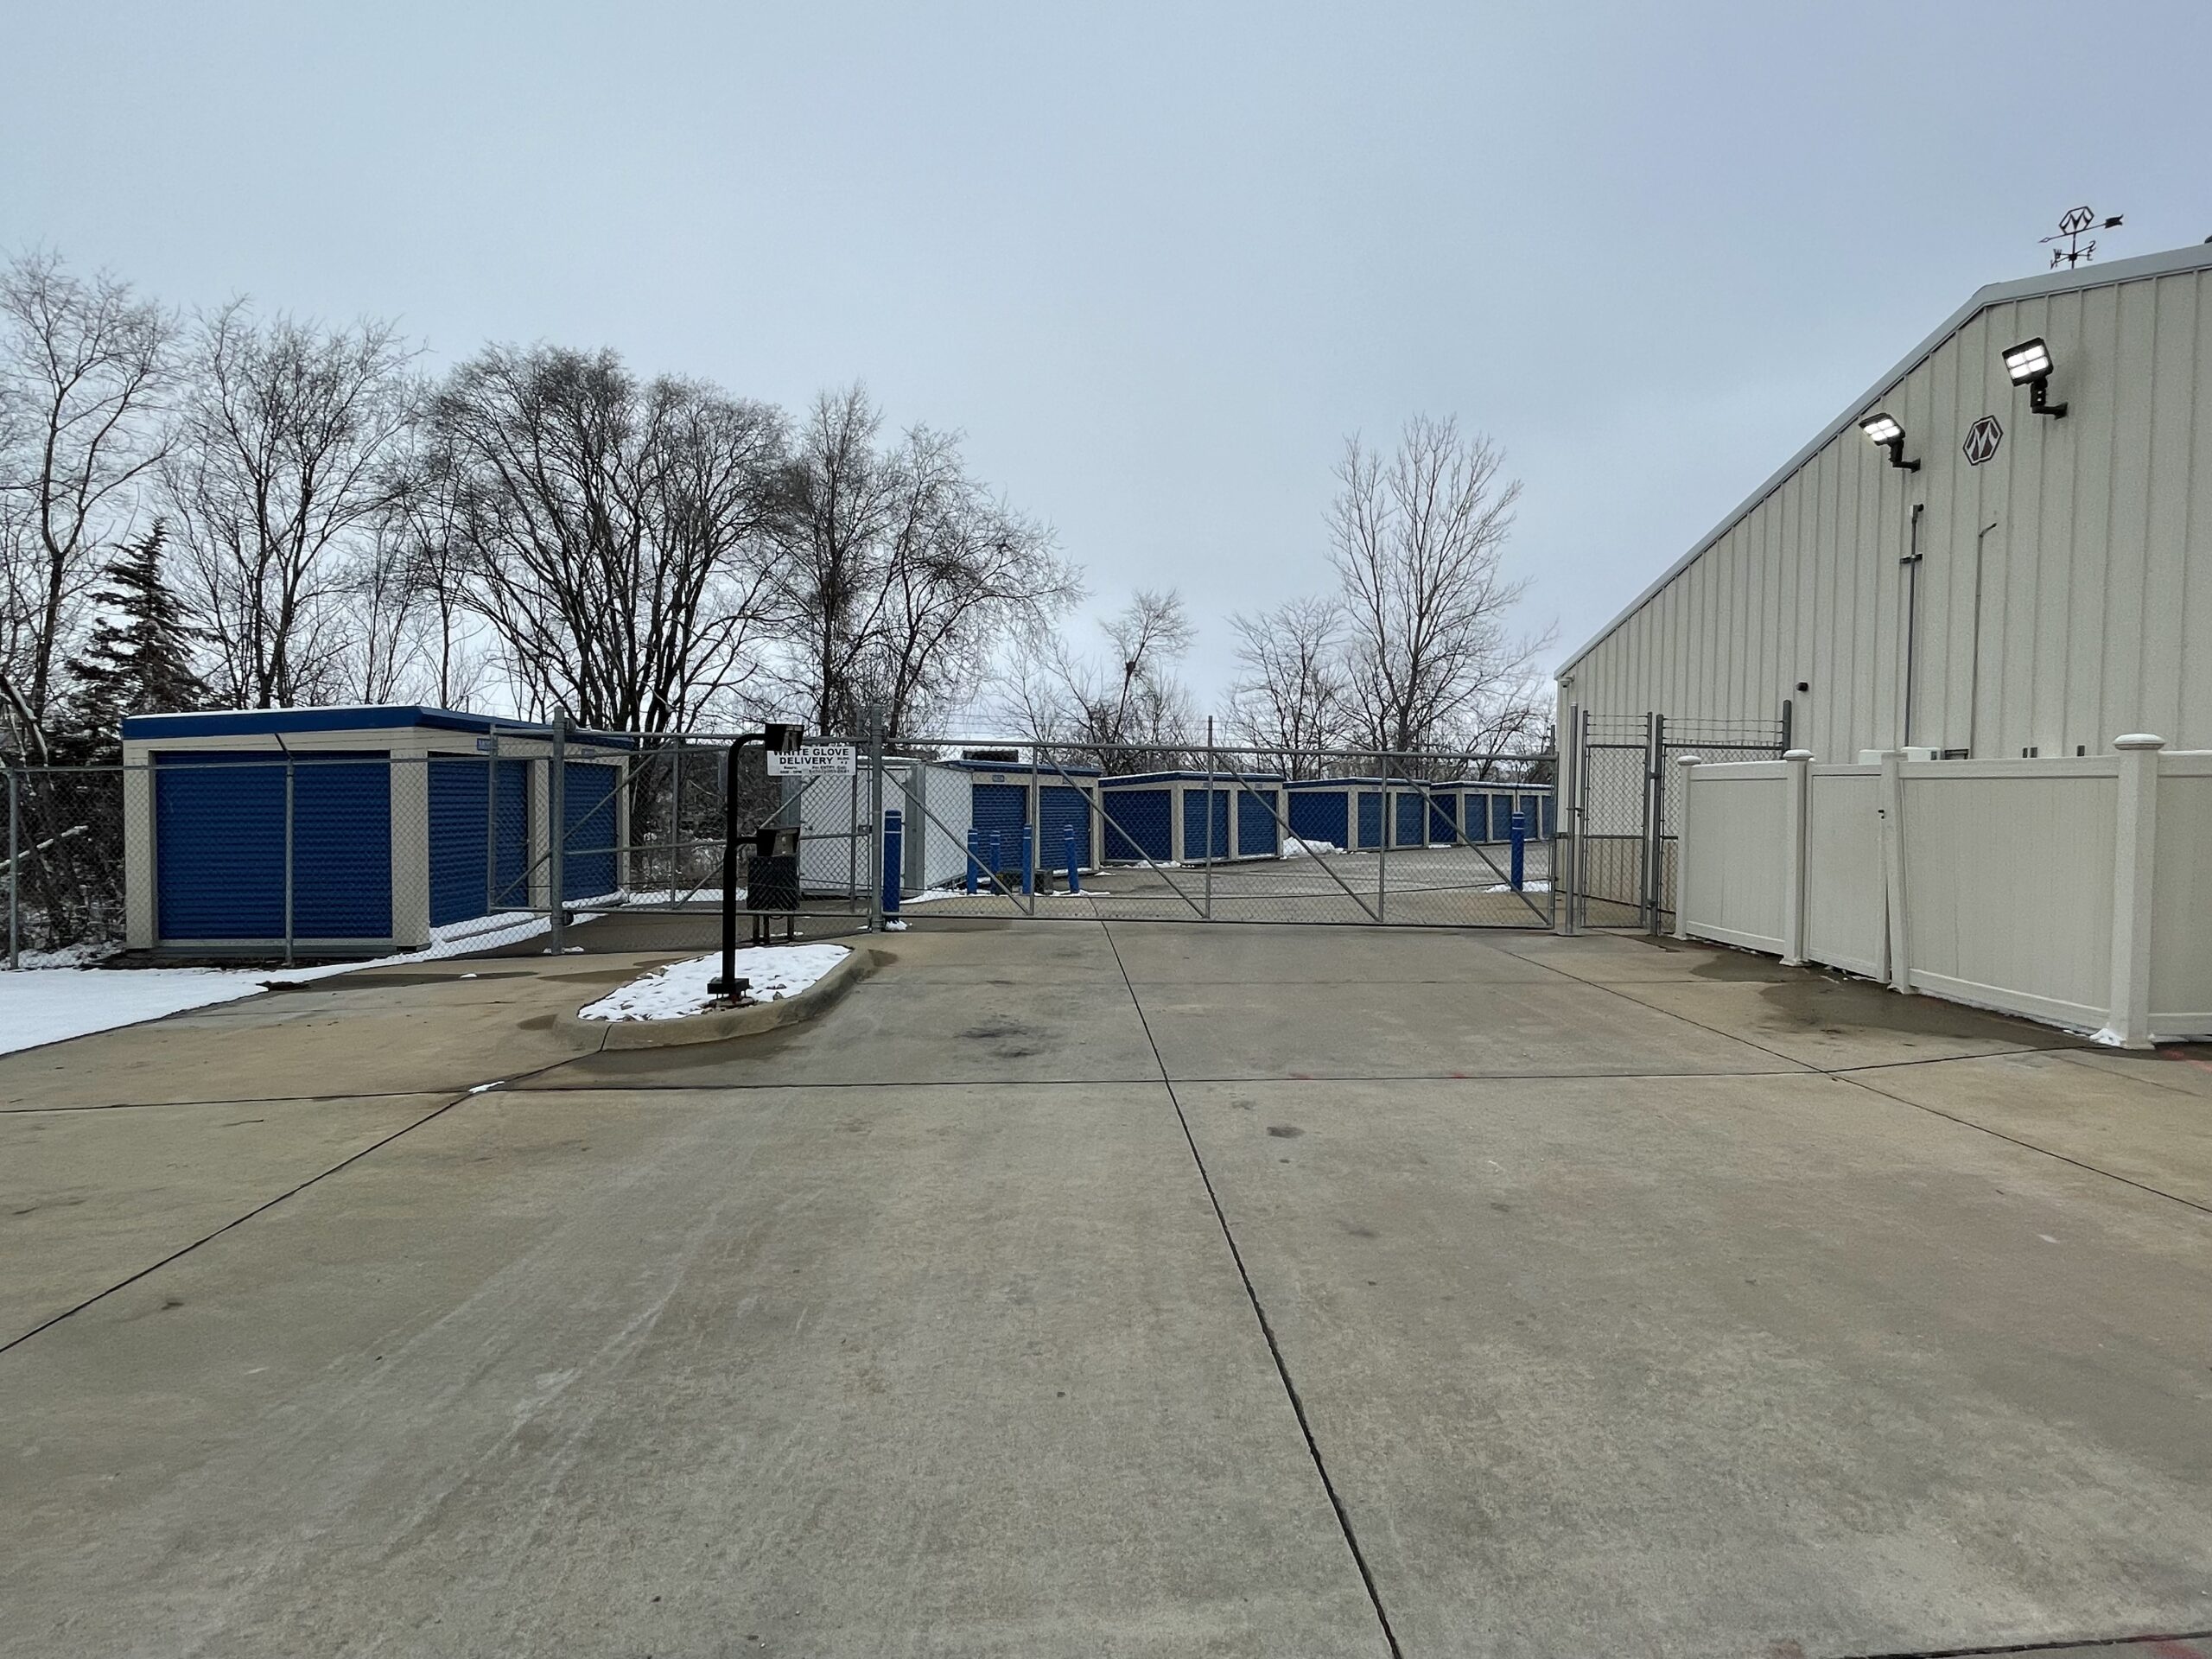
(899, 578)
(85, 371)
(1419, 546)
(1290, 695)
(281, 472)
(610, 532)
(1132, 711)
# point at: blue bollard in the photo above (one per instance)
(1075, 865)
(1520, 847)
(975, 856)
(998, 859)
(1028, 860)
(894, 841)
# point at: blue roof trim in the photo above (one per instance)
(260, 722)
(1223, 779)
(1023, 766)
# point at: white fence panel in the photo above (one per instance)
(1733, 855)
(1846, 923)
(2008, 884)
(2181, 926)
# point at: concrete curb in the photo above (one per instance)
(719, 1024)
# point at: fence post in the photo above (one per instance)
(15, 874)
(1893, 867)
(1682, 853)
(289, 821)
(1389, 820)
(873, 717)
(556, 831)
(1566, 859)
(1655, 808)
(1209, 905)
(1795, 809)
(2134, 861)
(894, 849)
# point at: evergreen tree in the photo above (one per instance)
(138, 660)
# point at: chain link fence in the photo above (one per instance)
(1005, 828)
(289, 853)
(1626, 801)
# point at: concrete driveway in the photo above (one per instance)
(1079, 1289)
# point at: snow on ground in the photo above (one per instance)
(1526, 886)
(58, 995)
(1294, 848)
(669, 993)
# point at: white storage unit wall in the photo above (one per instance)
(934, 803)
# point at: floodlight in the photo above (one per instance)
(1882, 430)
(2030, 364)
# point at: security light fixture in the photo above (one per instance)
(1882, 429)
(2028, 364)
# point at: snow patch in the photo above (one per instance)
(58, 995)
(776, 971)
(1526, 886)
(1295, 848)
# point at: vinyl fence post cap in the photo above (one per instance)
(2138, 740)
(1798, 755)
(1689, 759)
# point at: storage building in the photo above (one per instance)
(2002, 548)
(1164, 816)
(355, 832)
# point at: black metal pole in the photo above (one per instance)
(727, 984)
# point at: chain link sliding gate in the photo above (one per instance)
(1010, 827)
(1624, 796)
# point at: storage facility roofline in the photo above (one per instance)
(2073, 280)
(255, 722)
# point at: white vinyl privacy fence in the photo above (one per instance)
(2075, 891)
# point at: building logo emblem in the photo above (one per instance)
(1982, 439)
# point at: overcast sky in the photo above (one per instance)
(1155, 262)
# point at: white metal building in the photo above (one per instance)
(2039, 583)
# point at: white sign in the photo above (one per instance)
(816, 761)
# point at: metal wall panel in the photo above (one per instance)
(2065, 584)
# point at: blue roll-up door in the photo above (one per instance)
(1002, 808)
(1370, 817)
(461, 834)
(465, 829)
(1139, 824)
(1319, 815)
(218, 847)
(1444, 818)
(1550, 806)
(341, 848)
(1258, 833)
(1531, 825)
(1407, 821)
(511, 872)
(1195, 844)
(1061, 809)
(588, 811)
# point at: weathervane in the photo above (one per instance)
(2077, 223)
